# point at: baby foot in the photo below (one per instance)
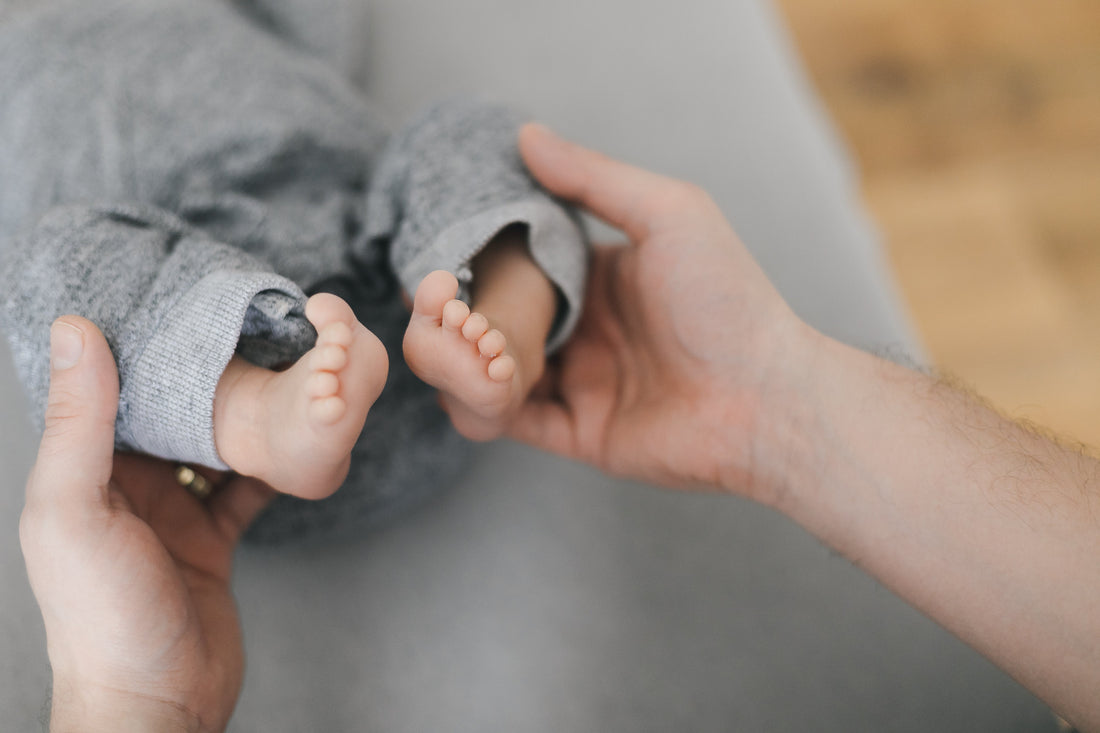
(480, 379)
(295, 429)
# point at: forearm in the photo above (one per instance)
(689, 369)
(987, 527)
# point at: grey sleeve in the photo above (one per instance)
(173, 304)
(451, 181)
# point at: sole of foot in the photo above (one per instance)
(457, 352)
(295, 429)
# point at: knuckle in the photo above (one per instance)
(67, 417)
(691, 194)
(62, 408)
(683, 197)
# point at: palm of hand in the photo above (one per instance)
(153, 600)
(665, 370)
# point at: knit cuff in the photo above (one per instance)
(169, 394)
(556, 243)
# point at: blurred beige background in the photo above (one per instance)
(976, 124)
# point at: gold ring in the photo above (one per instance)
(195, 483)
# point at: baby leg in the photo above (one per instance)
(486, 361)
(295, 429)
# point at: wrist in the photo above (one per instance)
(89, 708)
(835, 425)
(767, 463)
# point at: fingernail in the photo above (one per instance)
(66, 345)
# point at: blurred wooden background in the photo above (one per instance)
(977, 127)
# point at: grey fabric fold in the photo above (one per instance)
(452, 180)
(239, 174)
(171, 302)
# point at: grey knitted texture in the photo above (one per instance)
(183, 177)
(439, 210)
(166, 298)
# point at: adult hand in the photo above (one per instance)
(687, 367)
(131, 572)
(682, 341)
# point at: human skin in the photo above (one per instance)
(294, 429)
(688, 370)
(130, 571)
(483, 358)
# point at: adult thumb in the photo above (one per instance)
(76, 453)
(618, 193)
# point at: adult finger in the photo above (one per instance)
(627, 197)
(547, 425)
(235, 506)
(75, 456)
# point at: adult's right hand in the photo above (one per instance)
(688, 368)
(682, 343)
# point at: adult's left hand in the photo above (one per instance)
(132, 573)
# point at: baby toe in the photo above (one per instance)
(329, 359)
(323, 309)
(338, 334)
(475, 327)
(327, 410)
(455, 314)
(322, 384)
(492, 343)
(502, 368)
(434, 291)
